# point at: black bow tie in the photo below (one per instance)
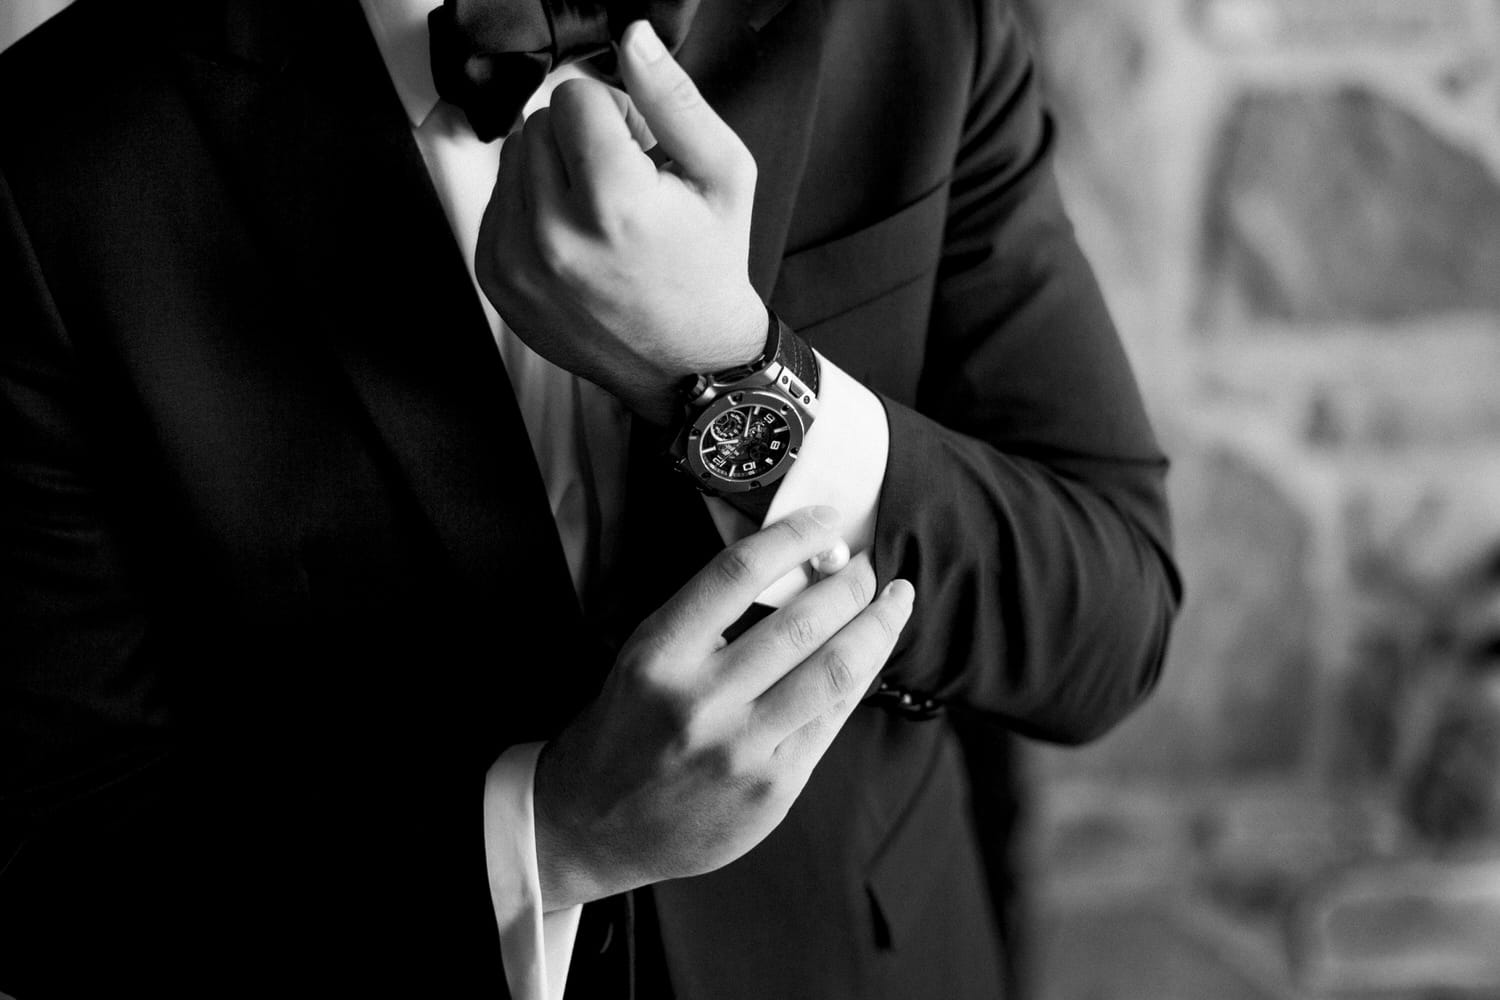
(489, 56)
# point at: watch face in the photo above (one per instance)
(746, 442)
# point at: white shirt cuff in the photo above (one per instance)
(841, 465)
(535, 946)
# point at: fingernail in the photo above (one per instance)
(644, 42)
(827, 517)
(901, 591)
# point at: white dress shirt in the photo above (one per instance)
(580, 435)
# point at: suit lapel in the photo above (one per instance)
(314, 138)
(297, 99)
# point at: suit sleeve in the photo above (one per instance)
(1024, 492)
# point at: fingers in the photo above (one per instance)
(805, 709)
(706, 150)
(535, 191)
(600, 148)
(716, 597)
(764, 654)
(511, 197)
(546, 175)
(504, 217)
(527, 214)
(635, 122)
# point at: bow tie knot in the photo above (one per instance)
(489, 56)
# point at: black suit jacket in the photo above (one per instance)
(279, 580)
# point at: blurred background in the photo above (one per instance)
(1294, 208)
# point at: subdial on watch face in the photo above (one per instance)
(746, 442)
(727, 432)
(730, 425)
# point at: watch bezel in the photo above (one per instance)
(712, 482)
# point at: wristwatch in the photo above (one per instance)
(744, 427)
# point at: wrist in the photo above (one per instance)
(745, 334)
(572, 866)
(745, 426)
(740, 340)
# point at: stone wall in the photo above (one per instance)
(1294, 206)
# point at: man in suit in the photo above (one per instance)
(283, 579)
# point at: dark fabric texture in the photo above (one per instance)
(278, 580)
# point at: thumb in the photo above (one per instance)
(705, 149)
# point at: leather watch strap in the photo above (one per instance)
(787, 368)
(797, 355)
(754, 504)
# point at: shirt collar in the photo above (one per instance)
(400, 29)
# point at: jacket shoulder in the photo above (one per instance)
(79, 49)
(68, 86)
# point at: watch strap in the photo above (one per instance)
(796, 354)
(754, 504)
(797, 359)
(782, 346)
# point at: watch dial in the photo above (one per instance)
(745, 442)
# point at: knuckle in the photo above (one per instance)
(860, 587)
(815, 728)
(688, 721)
(536, 131)
(554, 255)
(653, 665)
(801, 526)
(680, 715)
(801, 631)
(648, 647)
(537, 124)
(616, 220)
(566, 97)
(758, 789)
(681, 94)
(739, 565)
(890, 626)
(838, 674)
(720, 761)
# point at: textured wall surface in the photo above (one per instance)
(1294, 206)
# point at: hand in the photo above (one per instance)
(627, 274)
(695, 750)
